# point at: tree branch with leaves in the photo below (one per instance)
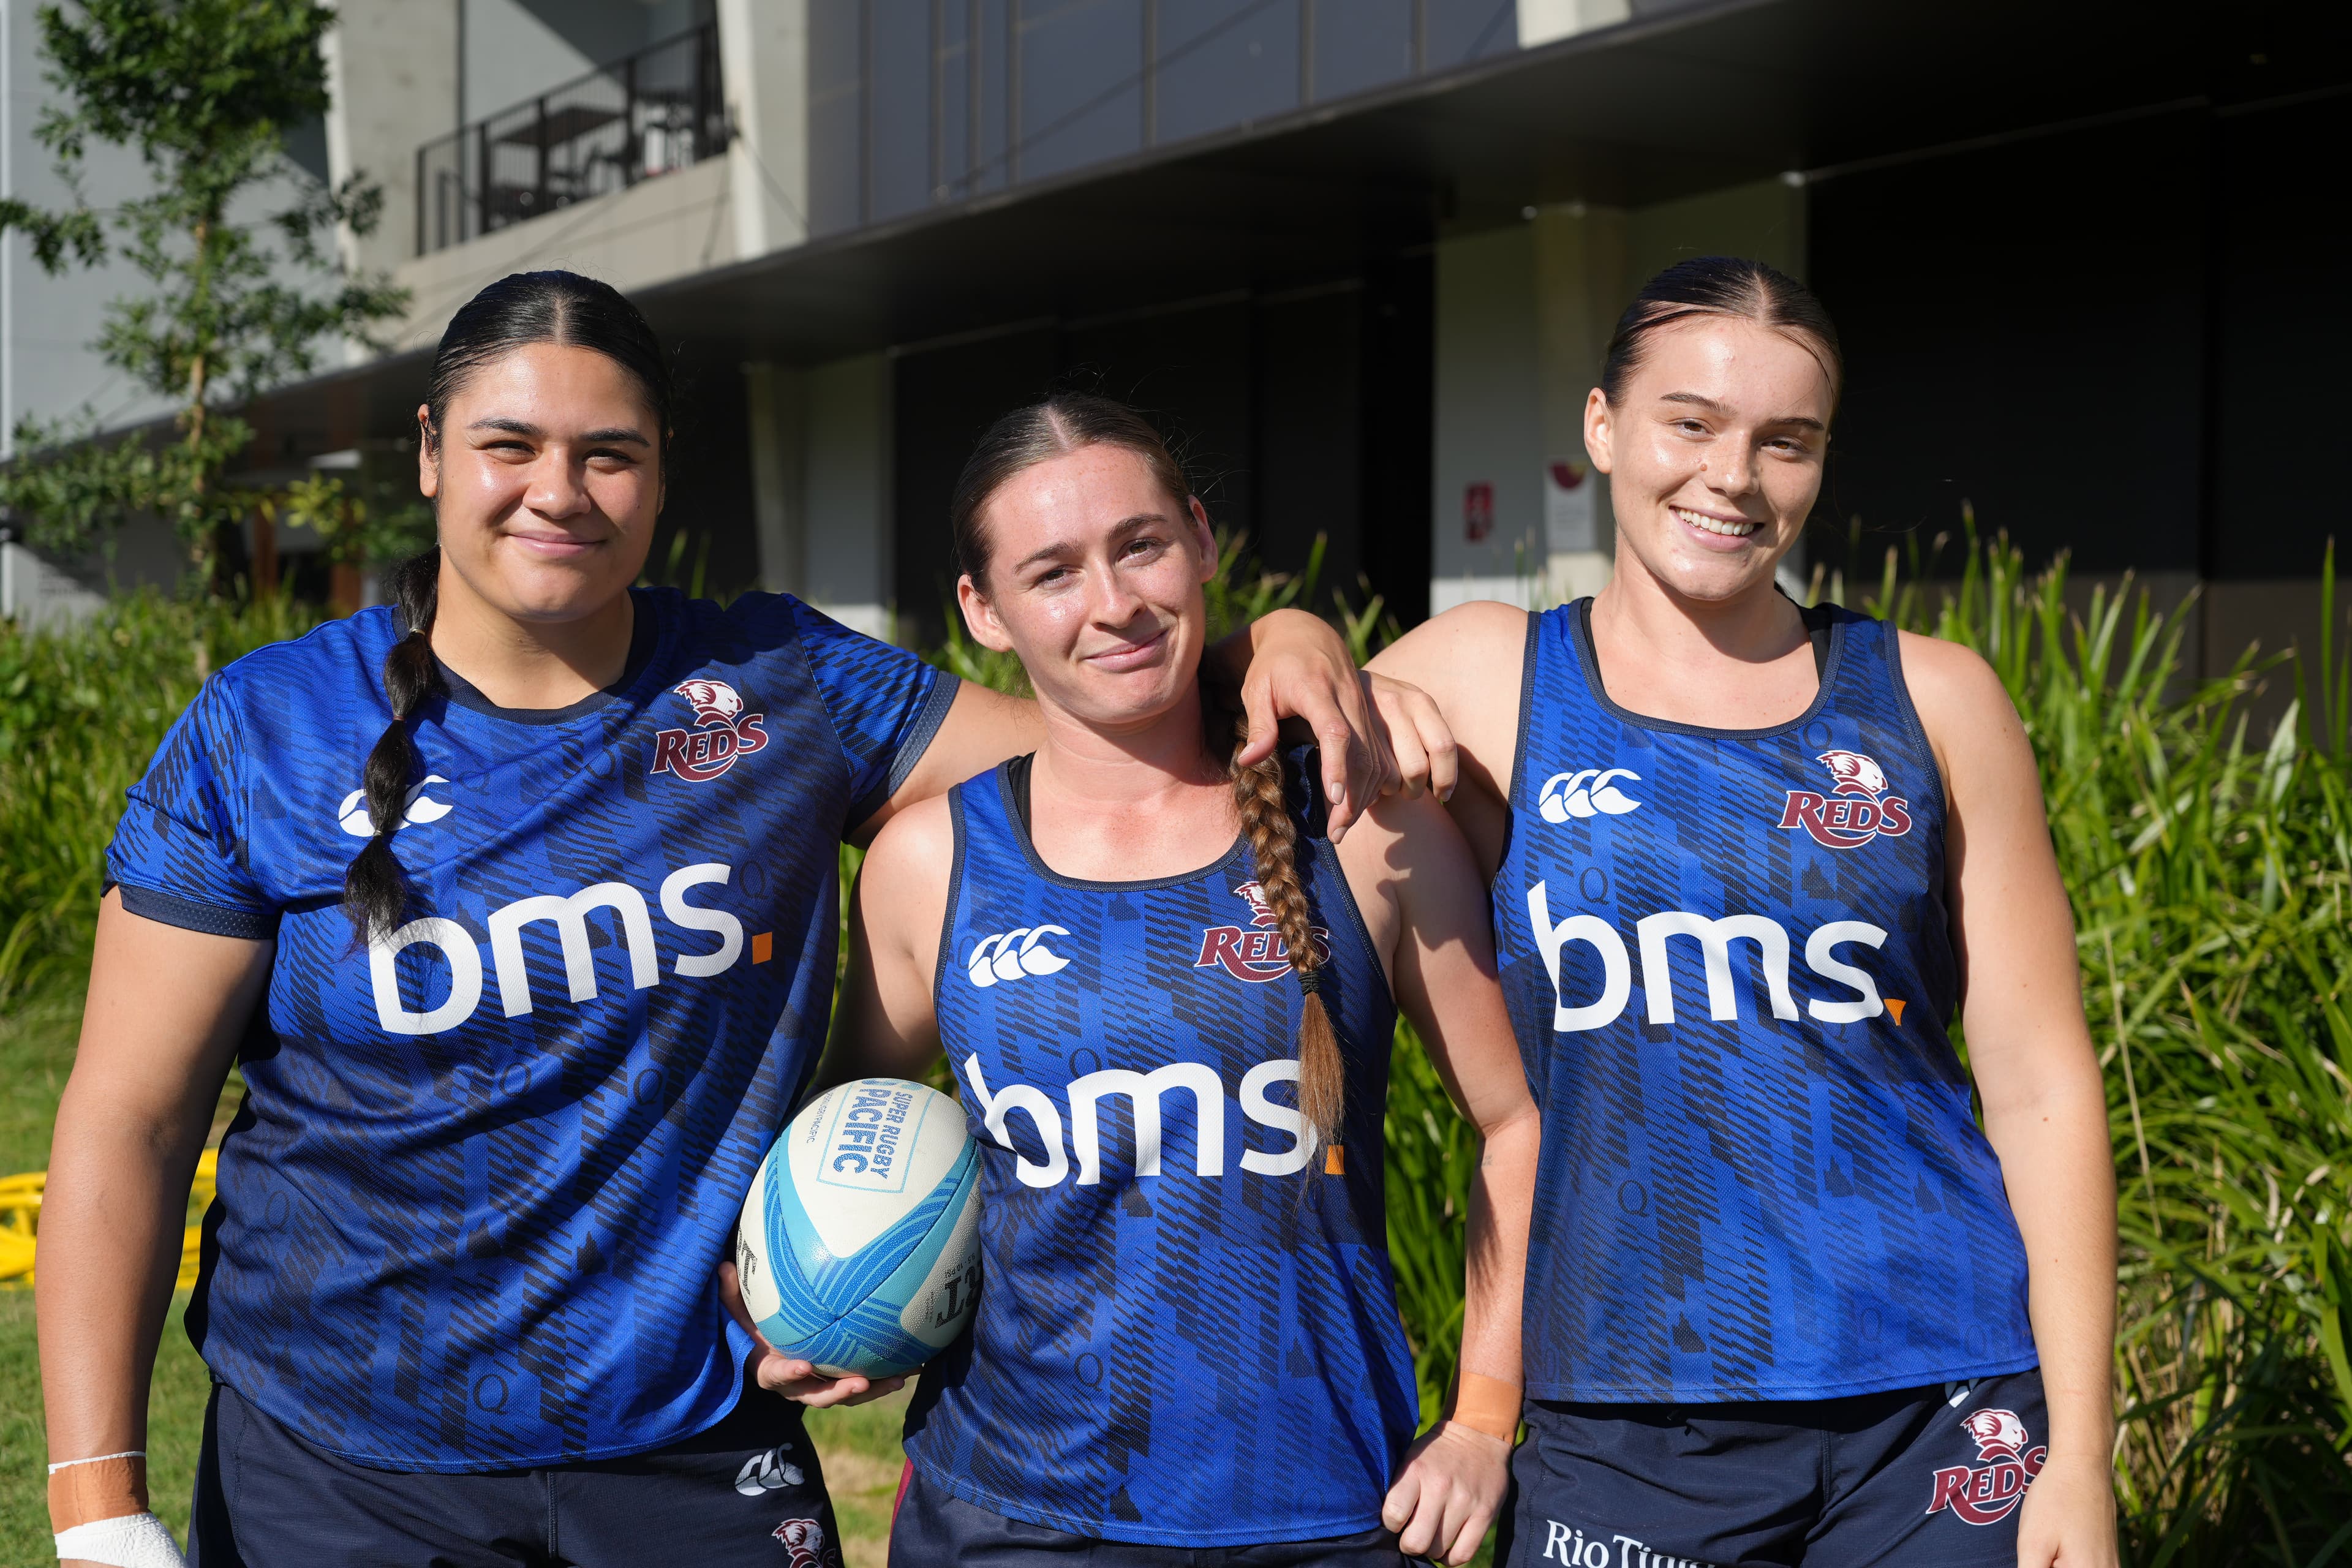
(203, 91)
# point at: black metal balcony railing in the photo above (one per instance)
(659, 109)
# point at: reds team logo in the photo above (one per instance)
(1257, 953)
(1856, 810)
(1990, 1494)
(722, 733)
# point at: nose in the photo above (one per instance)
(556, 488)
(1732, 468)
(1115, 604)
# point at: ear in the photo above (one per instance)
(979, 616)
(1204, 537)
(428, 465)
(1600, 429)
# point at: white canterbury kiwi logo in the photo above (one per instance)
(1587, 793)
(767, 1472)
(1013, 953)
(353, 812)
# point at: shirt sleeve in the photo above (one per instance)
(885, 703)
(179, 853)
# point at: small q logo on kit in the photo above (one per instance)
(415, 811)
(1590, 792)
(999, 958)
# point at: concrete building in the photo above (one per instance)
(1363, 256)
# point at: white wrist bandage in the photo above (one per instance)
(133, 1541)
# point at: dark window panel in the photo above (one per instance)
(1360, 45)
(951, 68)
(995, 79)
(900, 125)
(1309, 469)
(836, 116)
(2023, 328)
(1460, 31)
(2281, 238)
(1224, 63)
(1081, 83)
(1399, 391)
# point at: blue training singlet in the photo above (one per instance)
(1728, 961)
(471, 1211)
(1188, 1331)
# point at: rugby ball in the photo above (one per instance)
(859, 1250)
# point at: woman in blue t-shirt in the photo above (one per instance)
(515, 903)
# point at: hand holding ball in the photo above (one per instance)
(859, 1250)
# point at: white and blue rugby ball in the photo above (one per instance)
(859, 1247)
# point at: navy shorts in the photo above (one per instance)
(936, 1528)
(1927, 1477)
(746, 1492)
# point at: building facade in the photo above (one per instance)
(1361, 257)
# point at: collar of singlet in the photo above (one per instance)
(1012, 786)
(1822, 629)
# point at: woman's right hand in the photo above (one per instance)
(796, 1379)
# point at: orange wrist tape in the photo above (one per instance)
(1487, 1404)
(87, 1491)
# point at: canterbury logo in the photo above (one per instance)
(1013, 953)
(353, 812)
(1588, 792)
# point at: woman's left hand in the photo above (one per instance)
(794, 1379)
(2068, 1519)
(1377, 735)
(1446, 1493)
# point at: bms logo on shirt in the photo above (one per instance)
(1143, 1091)
(1255, 955)
(1856, 810)
(722, 733)
(625, 906)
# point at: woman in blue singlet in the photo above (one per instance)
(1167, 1000)
(1785, 1303)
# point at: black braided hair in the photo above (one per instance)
(518, 311)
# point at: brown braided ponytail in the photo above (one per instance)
(518, 311)
(375, 893)
(1273, 834)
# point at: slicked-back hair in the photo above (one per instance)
(1721, 286)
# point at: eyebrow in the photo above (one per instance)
(1061, 546)
(593, 437)
(1802, 421)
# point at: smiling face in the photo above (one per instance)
(1093, 577)
(546, 479)
(1714, 453)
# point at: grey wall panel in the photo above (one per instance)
(899, 131)
(1224, 63)
(1460, 31)
(1358, 45)
(1081, 83)
(836, 115)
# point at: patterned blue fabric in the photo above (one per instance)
(469, 1212)
(1728, 961)
(1198, 1345)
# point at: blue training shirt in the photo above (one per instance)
(470, 1212)
(1727, 960)
(1187, 1331)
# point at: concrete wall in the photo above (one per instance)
(763, 56)
(1486, 498)
(654, 231)
(844, 536)
(392, 70)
